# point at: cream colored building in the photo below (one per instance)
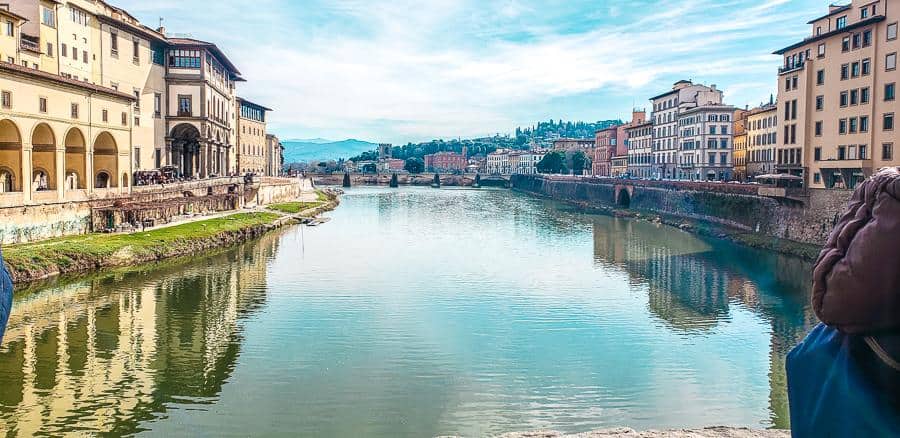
(275, 156)
(837, 96)
(762, 136)
(253, 154)
(61, 139)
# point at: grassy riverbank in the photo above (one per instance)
(293, 207)
(34, 261)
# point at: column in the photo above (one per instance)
(90, 178)
(27, 170)
(204, 158)
(60, 172)
(166, 160)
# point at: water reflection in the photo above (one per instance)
(692, 284)
(104, 354)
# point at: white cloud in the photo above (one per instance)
(405, 71)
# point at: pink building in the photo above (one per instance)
(446, 161)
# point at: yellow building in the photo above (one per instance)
(253, 152)
(61, 139)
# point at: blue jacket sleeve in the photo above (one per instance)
(6, 296)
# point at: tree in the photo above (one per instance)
(579, 161)
(553, 162)
(394, 182)
(347, 180)
(414, 165)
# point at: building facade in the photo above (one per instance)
(837, 96)
(605, 143)
(762, 136)
(666, 110)
(740, 145)
(706, 148)
(253, 153)
(446, 161)
(639, 142)
(275, 155)
(497, 163)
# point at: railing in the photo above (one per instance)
(790, 68)
(30, 45)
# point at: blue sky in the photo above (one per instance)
(399, 71)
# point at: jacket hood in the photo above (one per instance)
(856, 280)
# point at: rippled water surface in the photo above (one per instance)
(415, 312)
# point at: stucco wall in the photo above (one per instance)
(734, 206)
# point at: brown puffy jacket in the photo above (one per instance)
(856, 281)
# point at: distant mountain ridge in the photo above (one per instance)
(320, 149)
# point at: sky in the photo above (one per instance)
(408, 71)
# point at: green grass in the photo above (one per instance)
(87, 251)
(322, 196)
(293, 207)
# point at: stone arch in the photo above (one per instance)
(11, 170)
(76, 160)
(106, 161)
(623, 197)
(43, 158)
(125, 179)
(186, 149)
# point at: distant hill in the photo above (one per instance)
(319, 149)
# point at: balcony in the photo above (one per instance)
(30, 43)
(791, 68)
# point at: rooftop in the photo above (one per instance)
(87, 86)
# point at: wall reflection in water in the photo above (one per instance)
(693, 283)
(112, 351)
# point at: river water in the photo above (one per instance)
(415, 312)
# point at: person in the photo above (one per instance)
(6, 296)
(844, 378)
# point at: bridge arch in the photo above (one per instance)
(623, 195)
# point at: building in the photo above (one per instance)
(762, 136)
(61, 139)
(253, 150)
(497, 163)
(385, 151)
(275, 156)
(447, 161)
(837, 96)
(391, 165)
(666, 110)
(525, 162)
(705, 142)
(639, 143)
(605, 143)
(740, 144)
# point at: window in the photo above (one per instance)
(817, 154)
(856, 40)
(124, 119)
(854, 70)
(890, 61)
(63, 50)
(887, 151)
(817, 178)
(74, 110)
(867, 38)
(864, 13)
(821, 51)
(10, 29)
(157, 105)
(104, 115)
(842, 126)
(845, 71)
(84, 56)
(794, 82)
(888, 122)
(845, 44)
(184, 58)
(820, 77)
(184, 105)
(78, 16)
(889, 91)
(820, 103)
(48, 17)
(818, 129)
(794, 109)
(6, 99)
(842, 153)
(842, 22)
(75, 53)
(854, 125)
(892, 31)
(137, 157)
(866, 66)
(863, 152)
(137, 99)
(136, 51)
(843, 98)
(114, 43)
(49, 50)
(864, 124)
(42, 104)
(854, 97)
(864, 95)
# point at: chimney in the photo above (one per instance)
(161, 30)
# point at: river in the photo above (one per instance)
(415, 312)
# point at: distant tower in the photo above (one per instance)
(385, 151)
(465, 152)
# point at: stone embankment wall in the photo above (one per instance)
(31, 223)
(808, 219)
(383, 179)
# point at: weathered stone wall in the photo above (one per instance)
(26, 224)
(806, 220)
